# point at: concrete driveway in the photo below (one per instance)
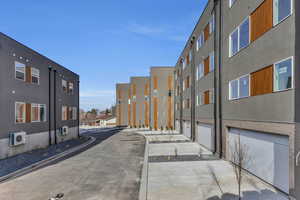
(110, 170)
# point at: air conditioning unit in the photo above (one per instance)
(17, 139)
(64, 130)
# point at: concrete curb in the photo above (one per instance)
(144, 179)
(42, 163)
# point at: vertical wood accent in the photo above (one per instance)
(206, 97)
(262, 81)
(155, 83)
(155, 110)
(129, 107)
(28, 112)
(134, 113)
(206, 66)
(206, 32)
(146, 92)
(188, 59)
(134, 89)
(146, 114)
(261, 19)
(28, 78)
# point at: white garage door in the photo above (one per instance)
(267, 155)
(205, 136)
(177, 125)
(187, 129)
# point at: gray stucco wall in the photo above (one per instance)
(13, 90)
(124, 91)
(273, 46)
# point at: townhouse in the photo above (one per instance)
(39, 97)
(162, 98)
(122, 101)
(235, 83)
(139, 102)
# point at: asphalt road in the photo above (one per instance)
(110, 170)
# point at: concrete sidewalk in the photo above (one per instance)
(197, 180)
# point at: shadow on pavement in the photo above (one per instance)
(251, 195)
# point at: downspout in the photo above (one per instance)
(215, 79)
(193, 90)
(78, 107)
(220, 79)
(181, 95)
(55, 136)
(49, 106)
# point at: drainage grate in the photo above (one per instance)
(181, 158)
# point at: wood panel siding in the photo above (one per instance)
(155, 113)
(28, 75)
(206, 97)
(146, 114)
(155, 83)
(134, 114)
(146, 91)
(188, 59)
(261, 19)
(134, 89)
(129, 108)
(262, 81)
(28, 113)
(206, 66)
(206, 32)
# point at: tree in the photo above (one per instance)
(240, 158)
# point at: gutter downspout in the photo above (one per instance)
(55, 136)
(192, 102)
(220, 79)
(49, 107)
(181, 95)
(78, 107)
(215, 79)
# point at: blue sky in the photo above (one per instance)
(105, 42)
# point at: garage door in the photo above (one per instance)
(205, 136)
(187, 129)
(177, 125)
(267, 155)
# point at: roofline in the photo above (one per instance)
(191, 35)
(23, 45)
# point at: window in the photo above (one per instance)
(183, 64)
(74, 112)
(212, 61)
(70, 113)
(197, 73)
(197, 100)
(200, 41)
(200, 99)
(231, 2)
(20, 71)
(35, 76)
(64, 85)
(71, 88)
(38, 112)
(240, 38)
(201, 70)
(212, 96)
(244, 86)
(233, 89)
(281, 10)
(244, 34)
(190, 56)
(234, 42)
(20, 112)
(64, 113)
(239, 88)
(188, 103)
(283, 75)
(212, 24)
